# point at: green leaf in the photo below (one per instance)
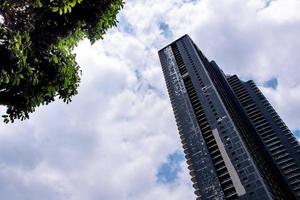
(30, 70)
(40, 4)
(24, 58)
(70, 9)
(73, 3)
(16, 81)
(6, 79)
(27, 38)
(51, 90)
(55, 9)
(17, 45)
(55, 59)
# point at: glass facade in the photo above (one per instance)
(236, 145)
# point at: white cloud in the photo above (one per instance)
(281, 11)
(285, 99)
(111, 140)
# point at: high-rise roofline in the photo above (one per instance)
(184, 36)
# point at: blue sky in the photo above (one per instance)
(118, 138)
(272, 83)
(168, 171)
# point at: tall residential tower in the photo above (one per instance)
(236, 145)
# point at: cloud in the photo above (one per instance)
(118, 136)
(281, 11)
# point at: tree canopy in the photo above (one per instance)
(36, 42)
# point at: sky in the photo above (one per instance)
(118, 139)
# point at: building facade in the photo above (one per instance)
(236, 145)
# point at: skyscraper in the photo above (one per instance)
(236, 145)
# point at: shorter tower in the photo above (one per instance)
(236, 145)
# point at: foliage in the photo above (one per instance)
(36, 42)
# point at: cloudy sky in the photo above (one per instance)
(118, 139)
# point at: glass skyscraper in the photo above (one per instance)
(235, 144)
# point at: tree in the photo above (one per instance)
(36, 42)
